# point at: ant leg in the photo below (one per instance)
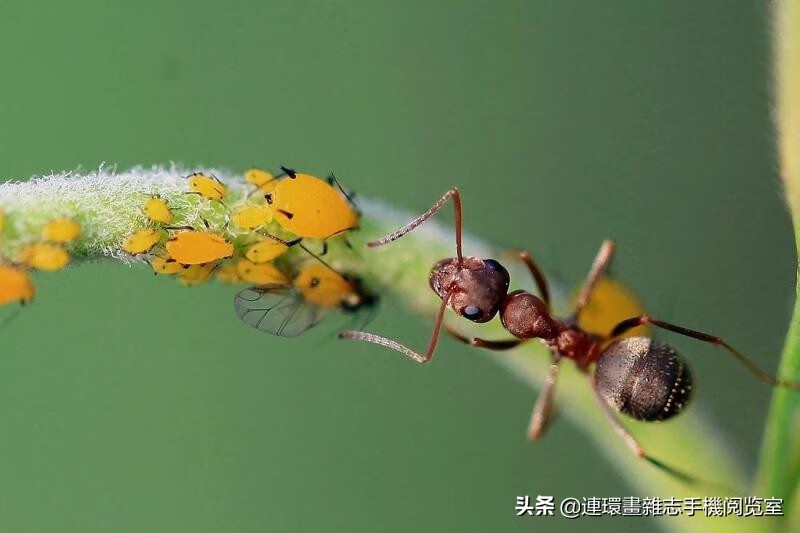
(599, 267)
(538, 276)
(632, 443)
(544, 403)
(394, 345)
(483, 343)
(760, 374)
(452, 193)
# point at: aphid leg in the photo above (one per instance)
(599, 267)
(544, 403)
(632, 443)
(452, 193)
(333, 181)
(538, 276)
(275, 238)
(394, 345)
(317, 257)
(483, 343)
(760, 374)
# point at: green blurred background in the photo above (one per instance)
(132, 404)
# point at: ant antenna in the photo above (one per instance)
(405, 350)
(452, 193)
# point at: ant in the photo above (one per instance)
(643, 378)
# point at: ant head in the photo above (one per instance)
(477, 287)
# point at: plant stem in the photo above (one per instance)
(779, 471)
(108, 206)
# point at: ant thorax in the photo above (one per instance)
(475, 287)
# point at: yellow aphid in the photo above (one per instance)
(229, 273)
(208, 186)
(611, 302)
(252, 216)
(324, 287)
(310, 207)
(15, 285)
(166, 267)
(44, 256)
(142, 241)
(198, 247)
(61, 230)
(258, 177)
(263, 274)
(195, 275)
(265, 250)
(157, 210)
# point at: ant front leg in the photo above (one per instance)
(599, 267)
(544, 403)
(760, 374)
(405, 350)
(483, 343)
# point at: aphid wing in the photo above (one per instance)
(277, 309)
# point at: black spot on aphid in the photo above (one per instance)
(314, 282)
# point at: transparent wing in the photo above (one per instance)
(277, 309)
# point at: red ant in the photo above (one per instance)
(638, 376)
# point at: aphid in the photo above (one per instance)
(310, 207)
(157, 210)
(165, 267)
(208, 187)
(44, 256)
(291, 309)
(259, 274)
(228, 273)
(15, 285)
(61, 230)
(638, 376)
(142, 241)
(194, 247)
(258, 177)
(610, 303)
(196, 274)
(268, 249)
(252, 216)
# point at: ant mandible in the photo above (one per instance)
(638, 376)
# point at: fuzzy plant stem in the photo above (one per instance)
(779, 472)
(108, 204)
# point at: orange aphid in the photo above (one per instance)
(142, 241)
(44, 256)
(194, 247)
(157, 210)
(252, 216)
(266, 250)
(208, 186)
(195, 275)
(15, 285)
(263, 274)
(611, 302)
(309, 207)
(323, 287)
(258, 177)
(229, 273)
(61, 230)
(166, 267)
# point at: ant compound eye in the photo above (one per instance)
(471, 312)
(494, 265)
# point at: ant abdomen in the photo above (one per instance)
(643, 378)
